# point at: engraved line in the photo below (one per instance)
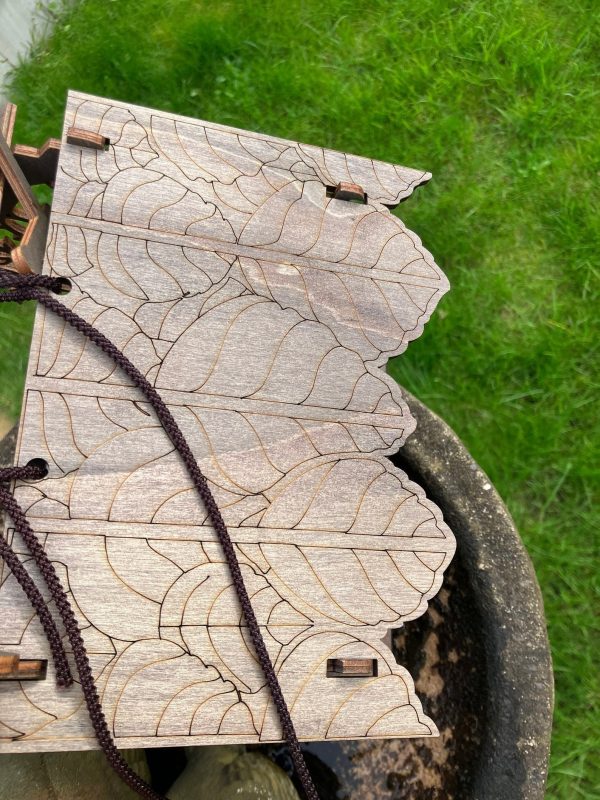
(199, 400)
(232, 248)
(335, 540)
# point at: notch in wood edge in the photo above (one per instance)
(37, 163)
(82, 138)
(351, 667)
(14, 668)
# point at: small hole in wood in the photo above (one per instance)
(40, 464)
(62, 286)
(351, 667)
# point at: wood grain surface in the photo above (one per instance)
(264, 311)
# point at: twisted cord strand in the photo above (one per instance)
(32, 289)
(82, 662)
(30, 472)
(64, 676)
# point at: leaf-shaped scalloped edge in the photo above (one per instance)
(371, 637)
(391, 200)
(411, 179)
(410, 486)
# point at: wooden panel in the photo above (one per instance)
(7, 126)
(263, 310)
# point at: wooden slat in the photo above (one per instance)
(7, 124)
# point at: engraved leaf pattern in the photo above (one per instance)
(263, 311)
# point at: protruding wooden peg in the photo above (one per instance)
(83, 138)
(350, 191)
(13, 668)
(351, 667)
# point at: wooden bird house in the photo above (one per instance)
(260, 285)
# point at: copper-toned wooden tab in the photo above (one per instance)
(351, 667)
(13, 668)
(350, 191)
(9, 663)
(83, 138)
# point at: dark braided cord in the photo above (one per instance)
(30, 472)
(98, 720)
(15, 279)
(11, 559)
(32, 290)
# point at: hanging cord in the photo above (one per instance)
(94, 707)
(31, 287)
(7, 502)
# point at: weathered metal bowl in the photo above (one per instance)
(480, 655)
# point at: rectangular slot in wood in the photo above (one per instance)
(351, 667)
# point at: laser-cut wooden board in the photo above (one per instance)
(264, 312)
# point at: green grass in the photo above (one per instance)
(499, 101)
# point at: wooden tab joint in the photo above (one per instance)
(82, 138)
(351, 667)
(13, 668)
(350, 192)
